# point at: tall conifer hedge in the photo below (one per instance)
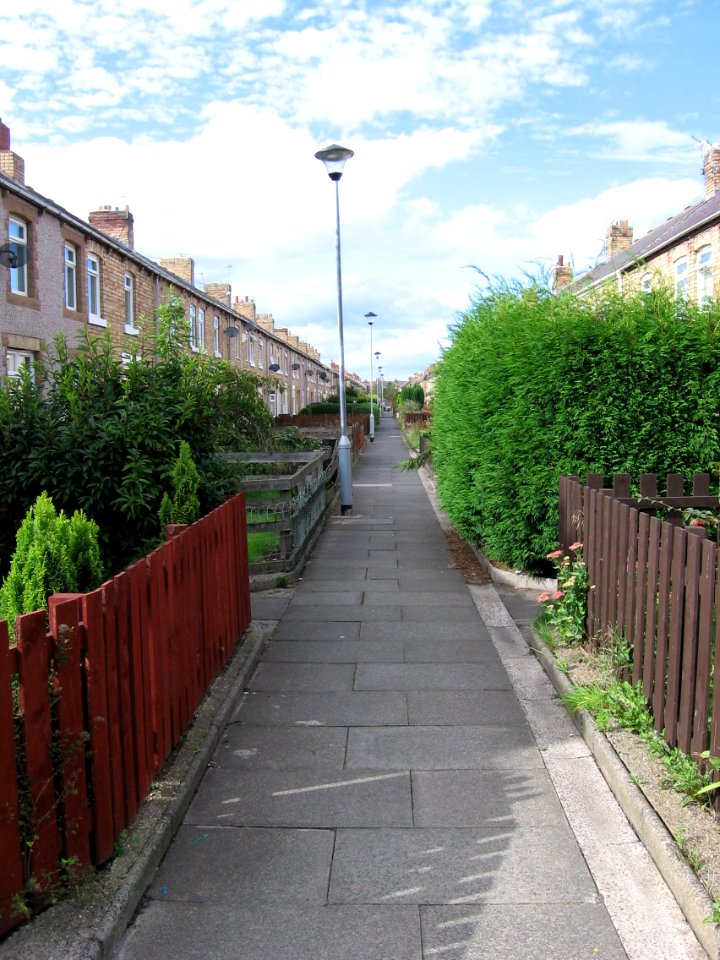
(534, 386)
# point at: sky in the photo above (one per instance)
(490, 136)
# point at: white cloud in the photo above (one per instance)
(638, 140)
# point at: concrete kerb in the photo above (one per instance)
(89, 925)
(690, 894)
(682, 882)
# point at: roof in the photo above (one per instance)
(672, 231)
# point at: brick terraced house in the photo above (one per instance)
(60, 274)
(684, 250)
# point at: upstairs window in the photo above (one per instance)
(681, 277)
(192, 320)
(200, 333)
(704, 275)
(18, 237)
(216, 336)
(93, 290)
(129, 287)
(70, 277)
(646, 283)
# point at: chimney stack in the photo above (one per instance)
(246, 308)
(114, 223)
(619, 237)
(183, 267)
(11, 165)
(219, 291)
(562, 274)
(711, 171)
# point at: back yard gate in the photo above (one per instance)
(654, 582)
(91, 709)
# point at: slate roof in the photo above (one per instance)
(671, 232)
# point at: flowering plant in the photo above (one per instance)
(567, 606)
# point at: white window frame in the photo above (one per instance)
(200, 334)
(71, 274)
(129, 290)
(251, 350)
(646, 283)
(15, 360)
(682, 277)
(704, 270)
(192, 322)
(94, 290)
(216, 336)
(236, 346)
(18, 236)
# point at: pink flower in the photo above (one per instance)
(575, 546)
(554, 555)
(698, 523)
(543, 598)
(558, 595)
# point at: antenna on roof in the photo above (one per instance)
(12, 255)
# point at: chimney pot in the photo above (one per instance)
(118, 224)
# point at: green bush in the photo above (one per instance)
(184, 507)
(351, 407)
(53, 554)
(413, 393)
(102, 436)
(534, 386)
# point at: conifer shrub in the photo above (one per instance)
(53, 554)
(534, 386)
(184, 506)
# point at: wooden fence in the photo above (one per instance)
(656, 583)
(327, 425)
(90, 711)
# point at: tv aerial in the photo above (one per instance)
(12, 255)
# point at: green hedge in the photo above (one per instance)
(534, 386)
(330, 408)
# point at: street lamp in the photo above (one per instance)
(381, 401)
(334, 158)
(370, 317)
(377, 358)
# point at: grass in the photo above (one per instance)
(261, 545)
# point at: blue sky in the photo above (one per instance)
(487, 133)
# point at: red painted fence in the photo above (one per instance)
(90, 711)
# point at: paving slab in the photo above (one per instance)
(464, 708)
(458, 599)
(328, 598)
(270, 605)
(315, 630)
(441, 748)
(256, 865)
(304, 798)
(362, 612)
(326, 709)
(503, 799)
(529, 931)
(417, 630)
(449, 651)
(211, 931)
(486, 675)
(452, 866)
(284, 748)
(338, 651)
(303, 676)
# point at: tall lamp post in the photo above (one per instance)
(370, 317)
(334, 158)
(378, 368)
(381, 382)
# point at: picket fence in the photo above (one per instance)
(656, 583)
(90, 711)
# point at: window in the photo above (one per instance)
(216, 336)
(70, 277)
(129, 285)
(17, 360)
(192, 319)
(251, 349)
(704, 274)
(681, 277)
(236, 347)
(260, 352)
(93, 290)
(646, 283)
(18, 236)
(200, 338)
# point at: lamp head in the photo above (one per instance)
(334, 158)
(370, 317)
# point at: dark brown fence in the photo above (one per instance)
(90, 710)
(655, 583)
(358, 425)
(422, 418)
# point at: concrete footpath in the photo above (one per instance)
(398, 782)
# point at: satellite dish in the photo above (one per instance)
(232, 332)
(274, 367)
(13, 255)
